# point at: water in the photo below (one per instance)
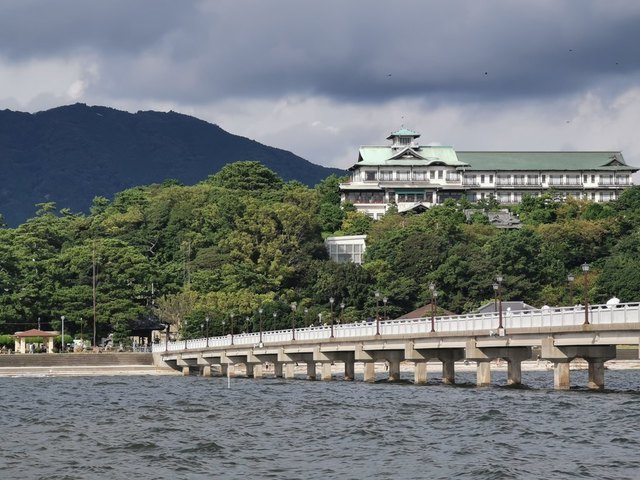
(195, 428)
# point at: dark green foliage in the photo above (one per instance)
(244, 240)
(71, 154)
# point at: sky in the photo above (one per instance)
(321, 78)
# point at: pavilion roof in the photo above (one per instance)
(34, 332)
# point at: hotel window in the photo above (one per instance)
(573, 179)
(622, 180)
(386, 175)
(432, 174)
(544, 178)
(532, 180)
(503, 180)
(555, 179)
(410, 197)
(585, 178)
(593, 179)
(404, 140)
(518, 179)
(517, 197)
(419, 176)
(440, 174)
(402, 175)
(453, 177)
(504, 197)
(481, 178)
(606, 179)
(490, 178)
(369, 175)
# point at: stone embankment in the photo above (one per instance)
(80, 364)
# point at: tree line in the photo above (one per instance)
(245, 241)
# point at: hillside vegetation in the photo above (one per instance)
(244, 239)
(70, 154)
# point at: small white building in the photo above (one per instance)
(413, 176)
(349, 248)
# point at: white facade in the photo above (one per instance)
(349, 248)
(409, 176)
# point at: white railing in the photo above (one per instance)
(486, 322)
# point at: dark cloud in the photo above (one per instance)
(360, 51)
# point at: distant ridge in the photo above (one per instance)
(70, 154)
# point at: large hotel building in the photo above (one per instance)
(413, 176)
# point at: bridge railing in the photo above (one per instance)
(485, 322)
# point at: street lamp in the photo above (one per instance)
(341, 312)
(62, 337)
(260, 324)
(206, 321)
(306, 321)
(384, 302)
(434, 296)
(294, 306)
(497, 287)
(331, 300)
(570, 279)
(232, 325)
(377, 295)
(585, 269)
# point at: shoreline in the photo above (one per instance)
(300, 370)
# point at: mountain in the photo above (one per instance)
(70, 154)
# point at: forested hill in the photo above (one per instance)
(69, 155)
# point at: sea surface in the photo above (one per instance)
(171, 427)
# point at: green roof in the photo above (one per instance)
(545, 161)
(403, 132)
(387, 156)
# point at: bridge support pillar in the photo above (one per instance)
(369, 372)
(596, 374)
(561, 376)
(420, 373)
(186, 371)
(206, 370)
(250, 369)
(349, 370)
(289, 369)
(448, 372)
(595, 355)
(326, 371)
(277, 369)
(483, 374)
(394, 370)
(258, 371)
(311, 370)
(224, 368)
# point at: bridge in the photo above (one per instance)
(559, 334)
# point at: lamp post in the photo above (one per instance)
(231, 326)
(434, 296)
(384, 303)
(294, 307)
(331, 300)
(201, 329)
(166, 338)
(341, 312)
(306, 320)
(497, 287)
(260, 325)
(206, 322)
(570, 279)
(377, 295)
(275, 314)
(62, 337)
(585, 269)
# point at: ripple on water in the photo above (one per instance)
(192, 428)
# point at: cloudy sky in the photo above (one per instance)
(320, 78)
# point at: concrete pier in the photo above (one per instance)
(420, 373)
(349, 370)
(483, 373)
(561, 355)
(326, 372)
(311, 370)
(369, 372)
